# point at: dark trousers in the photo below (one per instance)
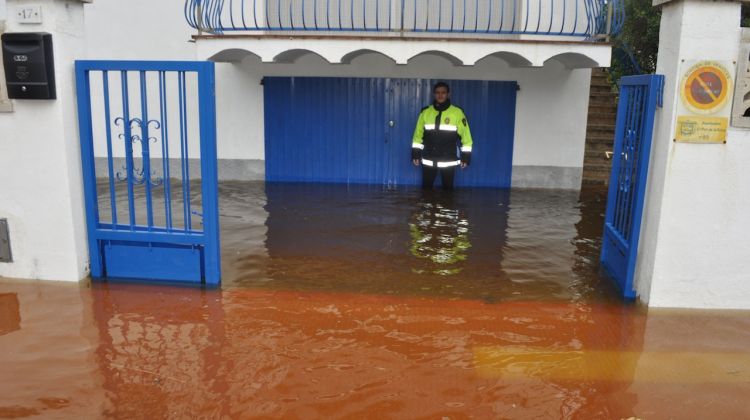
(429, 174)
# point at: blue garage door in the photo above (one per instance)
(359, 130)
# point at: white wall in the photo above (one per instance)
(41, 190)
(695, 250)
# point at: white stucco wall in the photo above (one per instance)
(694, 242)
(41, 191)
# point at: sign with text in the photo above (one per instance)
(703, 112)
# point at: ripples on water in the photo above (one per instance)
(487, 244)
(360, 302)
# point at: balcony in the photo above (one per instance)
(523, 32)
(586, 19)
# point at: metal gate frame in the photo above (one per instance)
(639, 98)
(149, 252)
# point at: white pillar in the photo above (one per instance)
(40, 165)
(695, 240)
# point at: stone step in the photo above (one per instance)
(594, 182)
(600, 136)
(594, 156)
(607, 120)
(608, 108)
(599, 147)
(605, 88)
(596, 126)
(589, 172)
(602, 101)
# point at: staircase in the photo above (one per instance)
(600, 131)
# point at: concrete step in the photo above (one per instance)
(599, 148)
(596, 156)
(596, 173)
(602, 117)
(607, 120)
(596, 126)
(605, 88)
(598, 100)
(608, 108)
(592, 182)
(600, 137)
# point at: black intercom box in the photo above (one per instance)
(29, 65)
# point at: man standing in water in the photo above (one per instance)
(440, 128)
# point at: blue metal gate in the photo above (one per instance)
(639, 98)
(359, 130)
(148, 148)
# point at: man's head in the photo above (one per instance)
(441, 92)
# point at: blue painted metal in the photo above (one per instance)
(338, 129)
(144, 247)
(639, 98)
(217, 16)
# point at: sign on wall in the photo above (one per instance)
(703, 111)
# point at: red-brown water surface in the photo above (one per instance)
(361, 302)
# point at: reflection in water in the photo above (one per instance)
(439, 234)
(191, 353)
(493, 245)
(10, 313)
(326, 313)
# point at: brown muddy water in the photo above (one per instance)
(364, 302)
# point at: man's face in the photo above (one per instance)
(441, 94)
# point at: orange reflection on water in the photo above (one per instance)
(279, 353)
(137, 351)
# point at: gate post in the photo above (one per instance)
(40, 166)
(694, 249)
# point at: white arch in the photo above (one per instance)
(574, 60)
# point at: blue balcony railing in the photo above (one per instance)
(590, 19)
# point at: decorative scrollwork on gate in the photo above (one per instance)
(138, 174)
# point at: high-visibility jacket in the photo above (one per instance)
(440, 129)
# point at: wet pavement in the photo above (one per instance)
(364, 302)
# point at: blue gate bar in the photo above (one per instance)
(145, 153)
(165, 151)
(110, 165)
(184, 163)
(128, 143)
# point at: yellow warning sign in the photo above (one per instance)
(703, 116)
(700, 129)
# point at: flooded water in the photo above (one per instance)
(364, 302)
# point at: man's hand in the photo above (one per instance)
(415, 162)
(464, 165)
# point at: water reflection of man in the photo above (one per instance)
(440, 128)
(440, 236)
